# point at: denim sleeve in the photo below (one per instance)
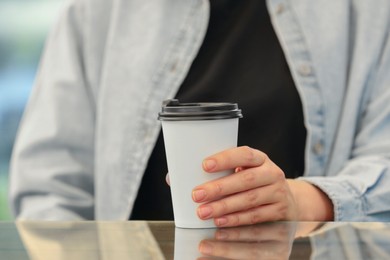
(52, 164)
(361, 190)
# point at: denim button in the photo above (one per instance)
(318, 148)
(173, 66)
(305, 70)
(279, 8)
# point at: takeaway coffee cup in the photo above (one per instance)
(192, 132)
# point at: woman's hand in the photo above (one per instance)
(257, 192)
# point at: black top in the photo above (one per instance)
(240, 61)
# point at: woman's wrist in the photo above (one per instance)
(312, 203)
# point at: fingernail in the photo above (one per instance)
(209, 164)
(204, 211)
(198, 195)
(205, 248)
(221, 221)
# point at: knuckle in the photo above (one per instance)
(252, 198)
(223, 207)
(253, 156)
(282, 191)
(218, 189)
(254, 216)
(249, 153)
(282, 212)
(248, 177)
(279, 174)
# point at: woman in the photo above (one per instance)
(311, 78)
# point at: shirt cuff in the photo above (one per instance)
(347, 203)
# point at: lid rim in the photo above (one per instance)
(173, 110)
(200, 118)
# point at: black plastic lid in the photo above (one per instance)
(173, 110)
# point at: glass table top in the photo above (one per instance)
(161, 240)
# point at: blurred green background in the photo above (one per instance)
(24, 25)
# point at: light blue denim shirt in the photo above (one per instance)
(90, 124)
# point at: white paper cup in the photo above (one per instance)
(192, 132)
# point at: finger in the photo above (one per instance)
(264, 213)
(241, 181)
(242, 201)
(232, 158)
